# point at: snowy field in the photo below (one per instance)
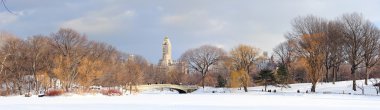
(204, 99)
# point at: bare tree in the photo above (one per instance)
(14, 65)
(4, 38)
(135, 66)
(309, 34)
(71, 47)
(36, 58)
(285, 54)
(202, 59)
(67, 56)
(334, 49)
(353, 26)
(371, 48)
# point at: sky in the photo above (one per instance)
(139, 26)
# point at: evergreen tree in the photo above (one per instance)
(266, 77)
(282, 74)
(221, 81)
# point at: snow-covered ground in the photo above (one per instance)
(342, 87)
(204, 99)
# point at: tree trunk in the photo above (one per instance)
(7, 88)
(367, 76)
(290, 76)
(19, 87)
(13, 88)
(337, 73)
(313, 85)
(353, 68)
(327, 75)
(245, 89)
(130, 88)
(36, 85)
(334, 75)
(354, 82)
(265, 88)
(67, 87)
(322, 78)
(326, 78)
(203, 81)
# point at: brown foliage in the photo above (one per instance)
(242, 58)
(309, 35)
(40, 62)
(240, 78)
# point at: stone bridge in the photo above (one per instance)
(182, 89)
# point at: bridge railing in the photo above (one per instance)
(186, 88)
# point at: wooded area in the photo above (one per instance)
(316, 50)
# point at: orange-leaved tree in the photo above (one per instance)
(308, 35)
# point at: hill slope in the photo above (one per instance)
(341, 87)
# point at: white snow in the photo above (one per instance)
(327, 88)
(205, 99)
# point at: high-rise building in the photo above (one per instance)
(166, 63)
(166, 59)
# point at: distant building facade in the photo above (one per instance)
(166, 59)
(166, 63)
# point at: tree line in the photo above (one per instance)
(65, 60)
(326, 48)
(316, 50)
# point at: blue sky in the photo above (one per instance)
(139, 26)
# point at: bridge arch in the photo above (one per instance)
(179, 90)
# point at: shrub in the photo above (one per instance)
(28, 94)
(3, 93)
(54, 92)
(111, 92)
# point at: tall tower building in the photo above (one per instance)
(166, 59)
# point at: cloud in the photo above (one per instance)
(196, 21)
(139, 26)
(99, 22)
(7, 18)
